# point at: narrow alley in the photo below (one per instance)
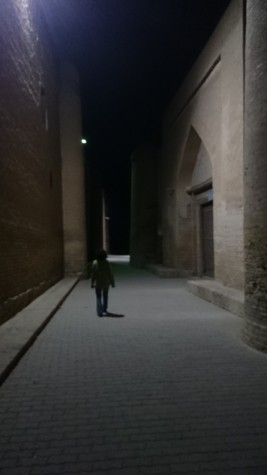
(168, 389)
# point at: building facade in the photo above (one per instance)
(202, 162)
(40, 240)
(212, 172)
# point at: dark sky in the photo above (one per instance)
(132, 55)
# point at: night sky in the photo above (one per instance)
(132, 56)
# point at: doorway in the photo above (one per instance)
(207, 239)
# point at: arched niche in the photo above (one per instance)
(195, 250)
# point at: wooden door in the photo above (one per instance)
(207, 239)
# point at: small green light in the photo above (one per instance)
(84, 141)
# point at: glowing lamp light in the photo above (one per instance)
(84, 141)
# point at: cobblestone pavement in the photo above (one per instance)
(169, 389)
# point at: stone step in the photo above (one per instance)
(228, 298)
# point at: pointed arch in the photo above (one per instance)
(195, 208)
(195, 161)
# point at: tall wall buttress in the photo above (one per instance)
(73, 185)
(255, 166)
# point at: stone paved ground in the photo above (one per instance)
(169, 389)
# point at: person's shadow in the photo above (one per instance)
(113, 315)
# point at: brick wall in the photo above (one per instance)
(202, 170)
(31, 256)
(143, 238)
(210, 101)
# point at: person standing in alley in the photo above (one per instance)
(101, 279)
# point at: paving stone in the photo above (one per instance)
(168, 389)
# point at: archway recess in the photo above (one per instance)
(195, 250)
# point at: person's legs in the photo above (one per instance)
(105, 300)
(99, 306)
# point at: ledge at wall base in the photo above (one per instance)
(167, 272)
(19, 333)
(228, 298)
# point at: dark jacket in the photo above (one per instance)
(101, 274)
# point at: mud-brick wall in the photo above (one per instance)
(143, 236)
(208, 105)
(31, 256)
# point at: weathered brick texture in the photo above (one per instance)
(30, 165)
(210, 102)
(255, 166)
